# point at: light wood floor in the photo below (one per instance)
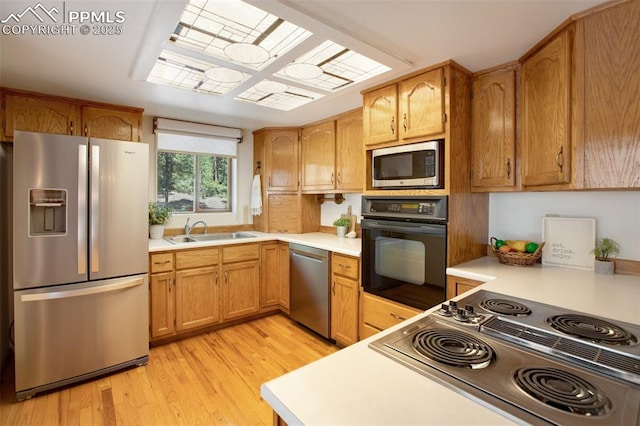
(211, 379)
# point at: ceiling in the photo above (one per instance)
(404, 34)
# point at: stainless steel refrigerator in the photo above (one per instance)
(80, 244)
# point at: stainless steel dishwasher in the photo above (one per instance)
(309, 298)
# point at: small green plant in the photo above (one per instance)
(159, 214)
(605, 248)
(343, 221)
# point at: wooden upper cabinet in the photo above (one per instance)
(282, 158)
(38, 114)
(108, 123)
(494, 130)
(422, 105)
(546, 113)
(612, 90)
(349, 152)
(318, 156)
(380, 115)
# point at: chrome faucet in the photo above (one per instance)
(187, 228)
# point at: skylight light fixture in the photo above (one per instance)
(246, 53)
(270, 87)
(224, 75)
(302, 71)
(225, 47)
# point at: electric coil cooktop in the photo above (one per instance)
(534, 363)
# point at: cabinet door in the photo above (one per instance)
(38, 114)
(197, 301)
(269, 275)
(458, 285)
(349, 153)
(162, 303)
(282, 158)
(284, 213)
(240, 289)
(422, 105)
(344, 310)
(110, 123)
(546, 131)
(380, 115)
(494, 129)
(318, 157)
(612, 92)
(283, 283)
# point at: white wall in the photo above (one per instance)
(617, 213)
(330, 211)
(241, 213)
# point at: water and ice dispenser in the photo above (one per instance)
(47, 212)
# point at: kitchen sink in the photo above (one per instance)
(220, 236)
(208, 237)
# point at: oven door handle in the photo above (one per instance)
(409, 227)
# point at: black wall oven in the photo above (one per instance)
(404, 249)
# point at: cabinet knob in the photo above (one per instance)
(332, 179)
(71, 128)
(508, 168)
(86, 130)
(404, 121)
(393, 125)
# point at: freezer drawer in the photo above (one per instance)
(69, 333)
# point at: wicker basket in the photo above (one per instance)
(516, 258)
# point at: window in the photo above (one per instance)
(195, 173)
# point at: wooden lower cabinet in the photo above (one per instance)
(162, 305)
(458, 285)
(240, 280)
(197, 300)
(377, 314)
(274, 276)
(283, 283)
(345, 287)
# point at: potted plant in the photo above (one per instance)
(342, 226)
(604, 249)
(159, 214)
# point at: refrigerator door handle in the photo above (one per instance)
(81, 291)
(82, 213)
(95, 208)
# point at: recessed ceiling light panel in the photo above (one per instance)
(302, 71)
(235, 31)
(341, 67)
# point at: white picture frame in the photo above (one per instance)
(568, 242)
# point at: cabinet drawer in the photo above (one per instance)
(196, 258)
(346, 266)
(382, 314)
(162, 262)
(240, 253)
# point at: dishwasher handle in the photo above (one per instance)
(308, 256)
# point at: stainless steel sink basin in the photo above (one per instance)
(208, 237)
(220, 236)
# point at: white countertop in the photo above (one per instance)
(321, 240)
(358, 386)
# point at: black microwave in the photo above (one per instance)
(418, 165)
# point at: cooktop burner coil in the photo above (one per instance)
(455, 348)
(593, 329)
(505, 307)
(563, 390)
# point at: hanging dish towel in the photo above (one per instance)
(256, 197)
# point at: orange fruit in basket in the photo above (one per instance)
(504, 249)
